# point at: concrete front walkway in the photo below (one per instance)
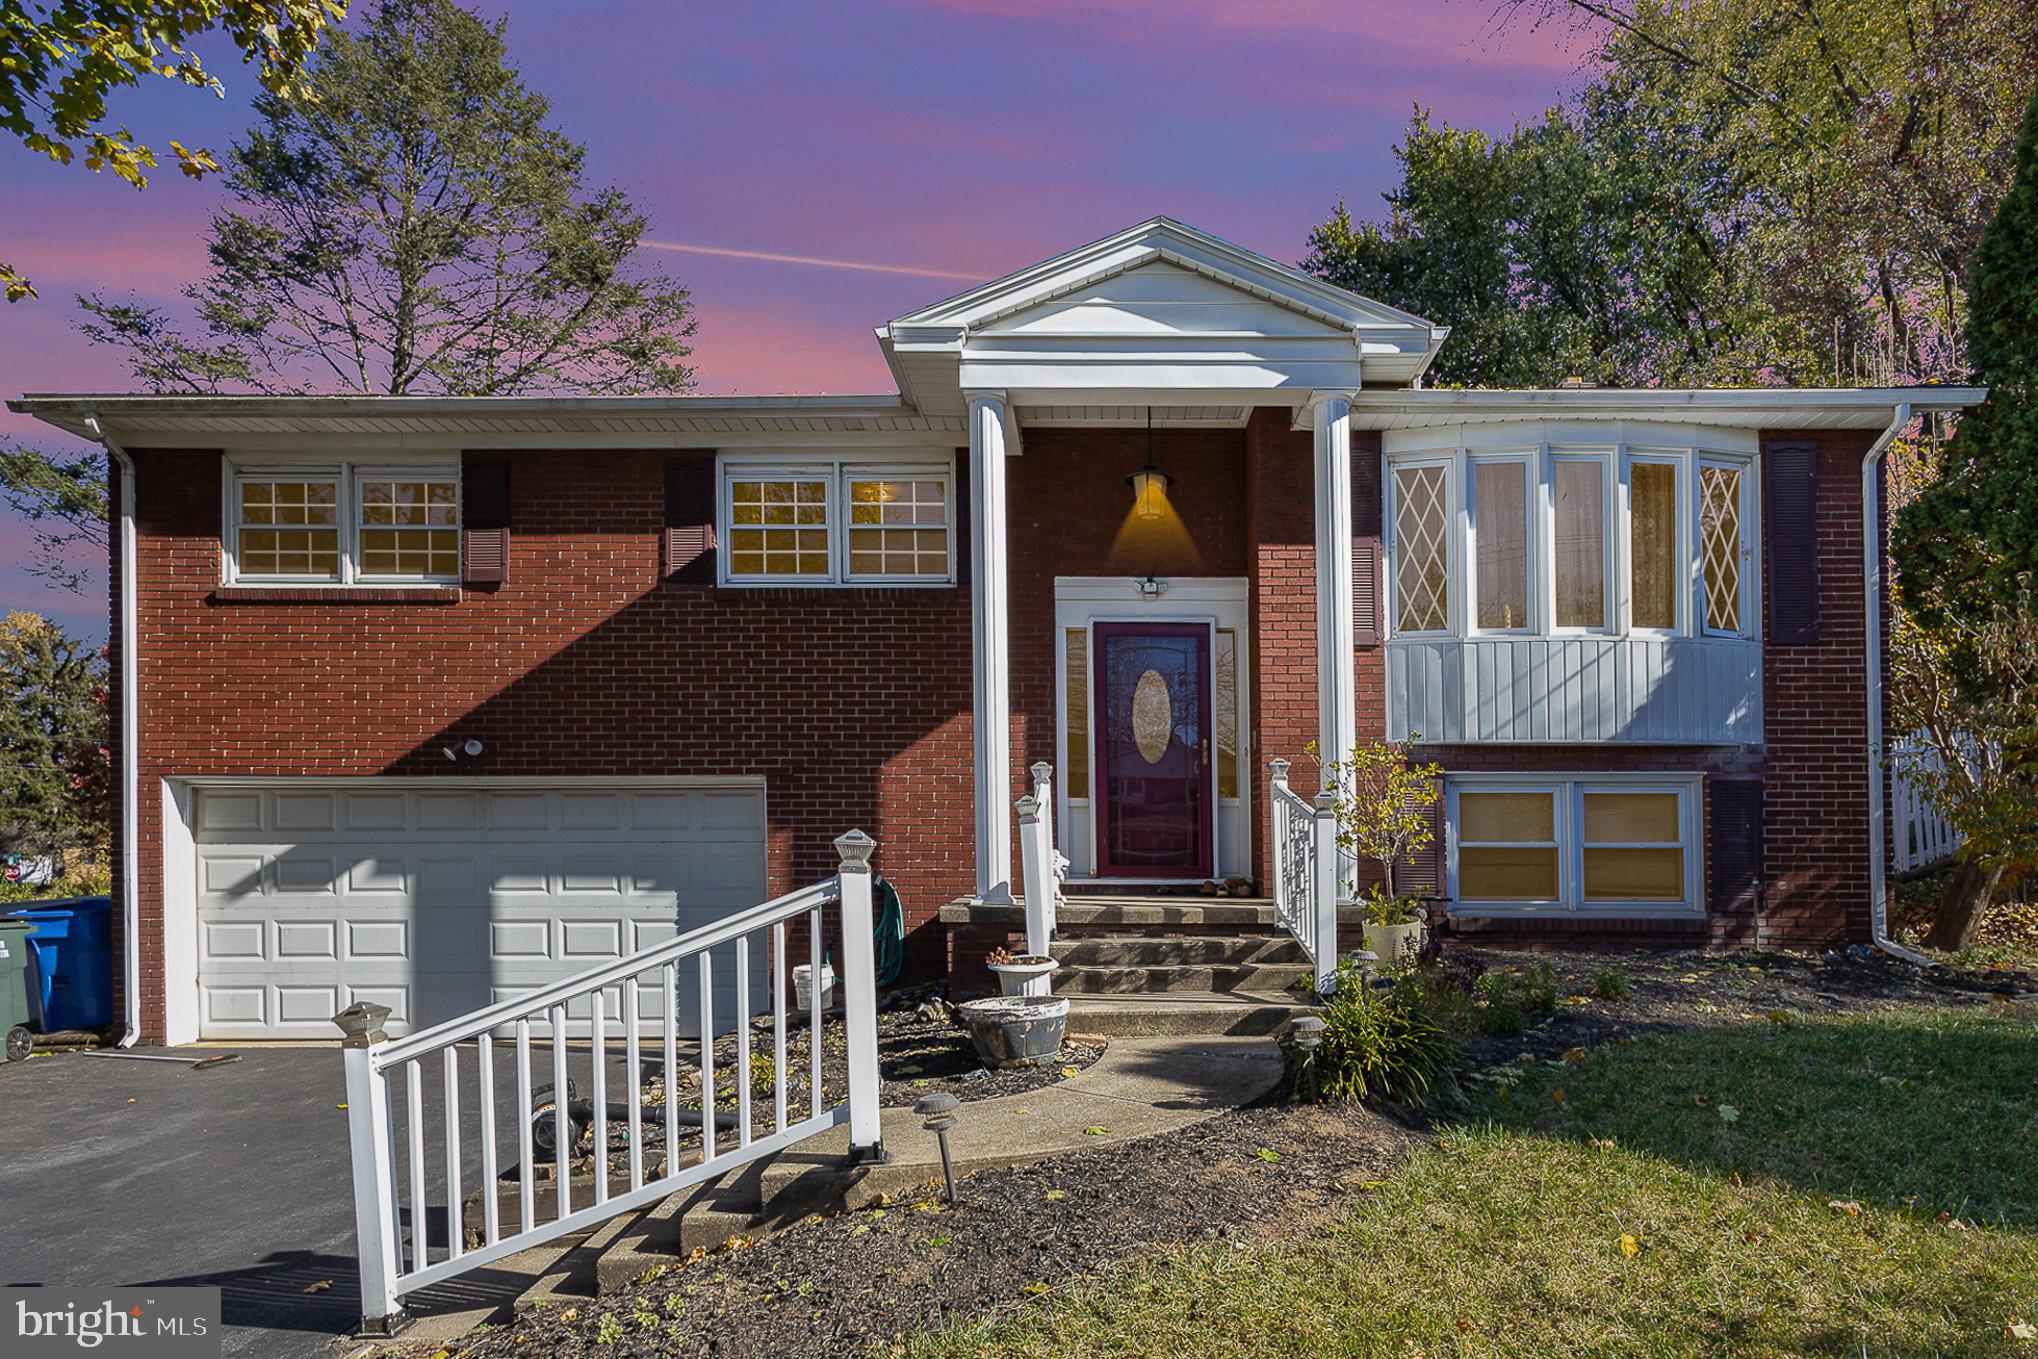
(1140, 1086)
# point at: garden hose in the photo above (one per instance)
(889, 932)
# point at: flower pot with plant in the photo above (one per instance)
(1384, 799)
(1022, 974)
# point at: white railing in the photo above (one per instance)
(646, 990)
(1040, 863)
(1304, 840)
(1923, 836)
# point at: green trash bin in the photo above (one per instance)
(14, 1011)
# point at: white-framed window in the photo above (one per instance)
(1581, 491)
(837, 521)
(1502, 513)
(1607, 843)
(1659, 567)
(342, 523)
(1725, 555)
(1424, 518)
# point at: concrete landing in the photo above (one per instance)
(1139, 1087)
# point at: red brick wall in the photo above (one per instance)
(1280, 506)
(1814, 727)
(853, 704)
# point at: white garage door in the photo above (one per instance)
(438, 901)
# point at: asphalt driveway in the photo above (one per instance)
(120, 1173)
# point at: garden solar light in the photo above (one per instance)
(1306, 1033)
(938, 1111)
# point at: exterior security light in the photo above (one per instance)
(1149, 484)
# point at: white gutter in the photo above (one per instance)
(130, 728)
(1873, 553)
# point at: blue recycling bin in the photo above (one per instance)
(71, 976)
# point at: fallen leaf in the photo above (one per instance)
(1034, 1290)
(1055, 1195)
(1630, 1245)
(1576, 1000)
(2020, 1329)
(1847, 1206)
(1557, 1095)
(1729, 1114)
(1464, 1326)
(1575, 1055)
(339, 1106)
(1096, 1130)
(321, 1286)
(1268, 1154)
(1603, 1143)
(1067, 1071)
(1022, 1109)
(1369, 1186)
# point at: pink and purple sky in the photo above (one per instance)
(947, 141)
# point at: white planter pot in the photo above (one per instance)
(1025, 979)
(803, 984)
(1395, 943)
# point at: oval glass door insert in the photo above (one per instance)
(1153, 716)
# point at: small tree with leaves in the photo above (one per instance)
(55, 776)
(1384, 798)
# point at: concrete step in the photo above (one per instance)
(1233, 1013)
(1092, 914)
(1181, 950)
(1197, 978)
(665, 1233)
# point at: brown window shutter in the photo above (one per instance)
(1791, 515)
(965, 517)
(485, 520)
(1736, 843)
(1366, 484)
(1366, 591)
(689, 535)
(1422, 873)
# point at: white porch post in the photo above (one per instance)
(1337, 708)
(991, 644)
(1336, 701)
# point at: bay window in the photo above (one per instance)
(1607, 843)
(1557, 539)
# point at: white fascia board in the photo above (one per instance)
(1808, 407)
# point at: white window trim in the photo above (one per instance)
(838, 471)
(1570, 790)
(1454, 545)
(1751, 538)
(1532, 541)
(348, 474)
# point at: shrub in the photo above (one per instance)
(1611, 983)
(1507, 1000)
(1539, 990)
(1398, 1042)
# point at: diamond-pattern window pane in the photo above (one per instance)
(778, 528)
(1719, 540)
(1422, 571)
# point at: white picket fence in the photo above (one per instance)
(1304, 840)
(640, 995)
(1923, 837)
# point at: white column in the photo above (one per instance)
(990, 638)
(1337, 709)
(1336, 699)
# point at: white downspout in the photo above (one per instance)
(1873, 553)
(130, 729)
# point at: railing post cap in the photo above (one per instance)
(361, 1022)
(855, 848)
(1326, 801)
(1280, 768)
(1027, 806)
(1041, 770)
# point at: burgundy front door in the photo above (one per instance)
(1153, 750)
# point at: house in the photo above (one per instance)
(424, 700)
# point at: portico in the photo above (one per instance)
(1158, 328)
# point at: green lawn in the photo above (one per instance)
(1765, 1189)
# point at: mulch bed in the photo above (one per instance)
(855, 1282)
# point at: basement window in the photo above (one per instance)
(1606, 844)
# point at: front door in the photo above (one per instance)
(1153, 750)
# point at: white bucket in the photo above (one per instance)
(803, 985)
